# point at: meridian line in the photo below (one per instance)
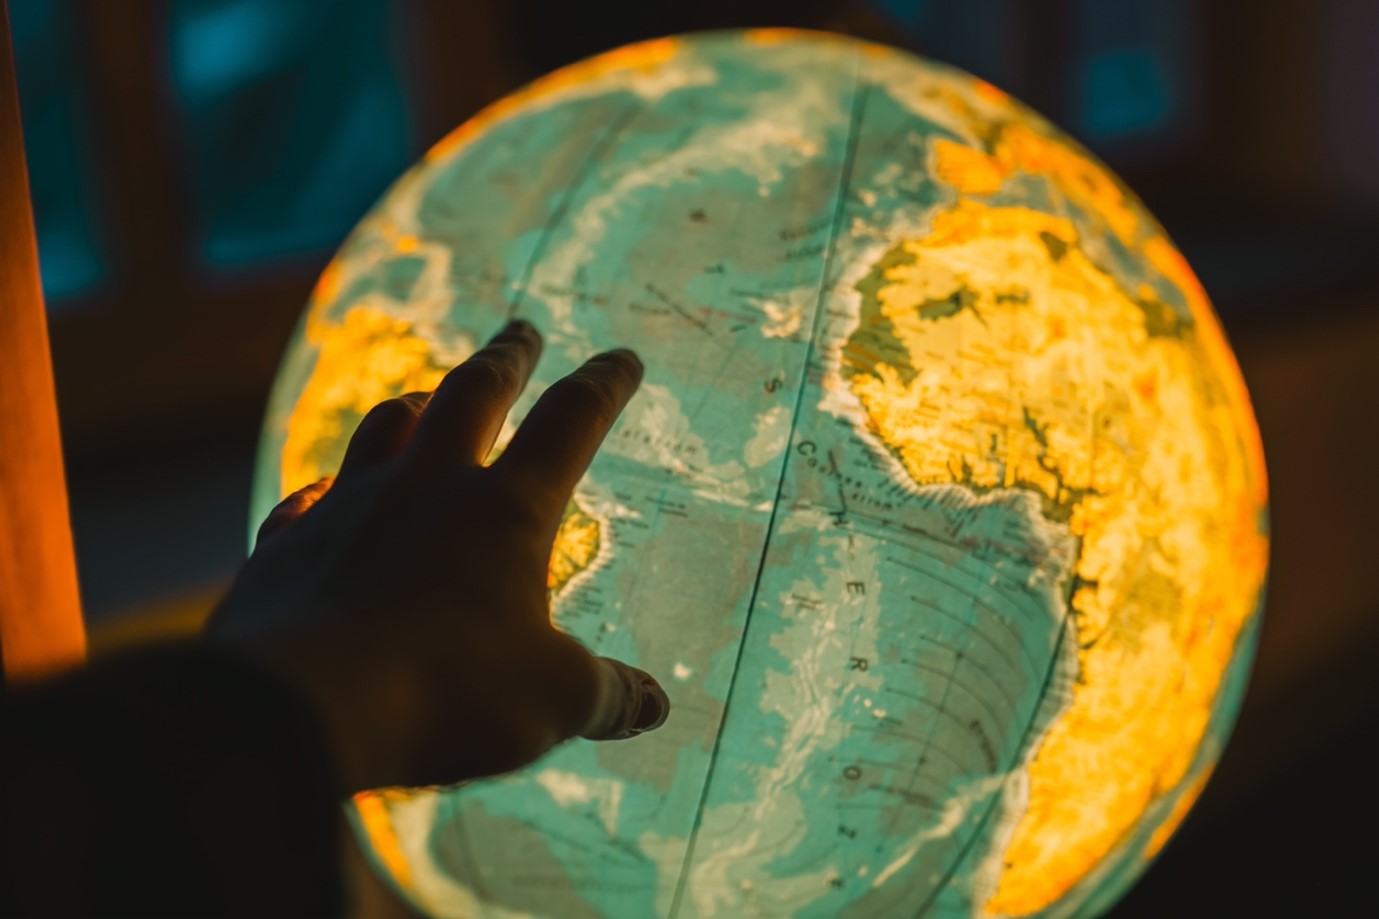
(1020, 748)
(572, 188)
(844, 179)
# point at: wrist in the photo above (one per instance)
(367, 711)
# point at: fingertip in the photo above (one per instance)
(466, 413)
(625, 358)
(655, 706)
(519, 326)
(630, 702)
(519, 330)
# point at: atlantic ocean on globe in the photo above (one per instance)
(940, 514)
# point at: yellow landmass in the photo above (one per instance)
(372, 807)
(366, 357)
(576, 547)
(990, 94)
(1028, 367)
(968, 168)
(1018, 148)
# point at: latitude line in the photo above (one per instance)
(844, 179)
(964, 642)
(977, 603)
(1018, 599)
(1010, 704)
(572, 189)
(926, 744)
(981, 699)
(977, 832)
(965, 848)
(976, 630)
(963, 768)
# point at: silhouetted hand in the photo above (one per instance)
(407, 597)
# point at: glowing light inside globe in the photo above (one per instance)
(941, 512)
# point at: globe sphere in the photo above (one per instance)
(940, 513)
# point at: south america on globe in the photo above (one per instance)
(941, 512)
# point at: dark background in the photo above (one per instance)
(194, 162)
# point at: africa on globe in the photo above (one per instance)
(941, 512)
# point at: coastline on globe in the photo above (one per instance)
(941, 512)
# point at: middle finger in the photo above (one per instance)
(463, 418)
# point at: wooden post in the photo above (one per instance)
(41, 629)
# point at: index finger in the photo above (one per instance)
(559, 437)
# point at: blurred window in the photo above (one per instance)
(59, 156)
(295, 119)
(289, 115)
(980, 36)
(1132, 72)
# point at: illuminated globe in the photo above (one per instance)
(940, 514)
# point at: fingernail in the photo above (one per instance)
(654, 709)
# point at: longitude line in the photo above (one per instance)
(572, 190)
(590, 162)
(966, 847)
(567, 199)
(845, 177)
(996, 798)
(1025, 736)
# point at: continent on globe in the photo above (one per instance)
(941, 511)
(1014, 410)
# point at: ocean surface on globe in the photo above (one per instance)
(941, 512)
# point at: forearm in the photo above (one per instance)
(185, 780)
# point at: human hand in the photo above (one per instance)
(407, 597)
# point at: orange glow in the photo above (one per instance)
(1146, 386)
(1020, 148)
(1181, 807)
(1169, 262)
(989, 93)
(1076, 175)
(1166, 591)
(41, 626)
(372, 807)
(328, 284)
(967, 169)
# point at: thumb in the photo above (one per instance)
(629, 702)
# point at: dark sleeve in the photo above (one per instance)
(185, 781)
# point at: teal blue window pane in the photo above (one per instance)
(294, 118)
(980, 36)
(907, 13)
(69, 255)
(1132, 70)
(1125, 91)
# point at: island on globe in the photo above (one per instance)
(941, 512)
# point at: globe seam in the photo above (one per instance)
(844, 180)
